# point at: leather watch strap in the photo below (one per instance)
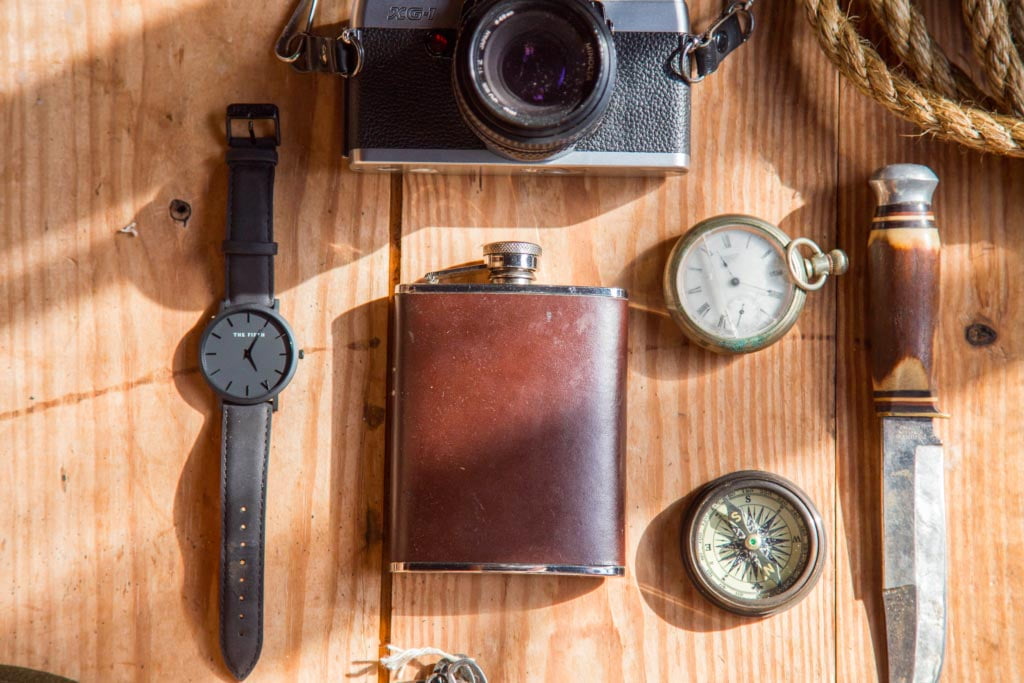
(245, 455)
(249, 248)
(245, 443)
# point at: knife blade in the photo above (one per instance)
(903, 255)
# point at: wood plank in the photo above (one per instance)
(692, 415)
(979, 206)
(109, 440)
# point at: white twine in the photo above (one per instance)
(401, 658)
(130, 229)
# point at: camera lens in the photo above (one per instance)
(538, 68)
(533, 76)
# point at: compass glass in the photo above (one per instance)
(729, 553)
(753, 543)
(733, 282)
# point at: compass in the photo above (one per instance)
(736, 283)
(753, 543)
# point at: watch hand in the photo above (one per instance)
(714, 293)
(706, 248)
(727, 268)
(735, 280)
(247, 354)
(756, 287)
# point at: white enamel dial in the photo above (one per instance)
(733, 282)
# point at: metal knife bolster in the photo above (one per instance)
(913, 549)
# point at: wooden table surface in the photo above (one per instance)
(109, 438)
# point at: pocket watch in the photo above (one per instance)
(736, 283)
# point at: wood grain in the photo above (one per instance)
(692, 415)
(979, 207)
(108, 437)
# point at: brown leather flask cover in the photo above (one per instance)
(508, 429)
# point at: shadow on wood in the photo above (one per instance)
(352, 560)
(197, 508)
(664, 584)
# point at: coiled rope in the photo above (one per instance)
(943, 100)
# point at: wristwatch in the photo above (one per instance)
(248, 355)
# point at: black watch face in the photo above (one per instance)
(247, 354)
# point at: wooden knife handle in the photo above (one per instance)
(903, 261)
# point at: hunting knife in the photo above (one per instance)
(903, 253)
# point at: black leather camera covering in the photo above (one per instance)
(403, 98)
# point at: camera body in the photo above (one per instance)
(529, 86)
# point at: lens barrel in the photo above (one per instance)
(532, 77)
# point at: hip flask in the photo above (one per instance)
(508, 422)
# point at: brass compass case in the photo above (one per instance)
(798, 554)
(795, 296)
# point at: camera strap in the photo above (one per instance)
(306, 51)
(700, 54)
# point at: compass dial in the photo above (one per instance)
(753, 543)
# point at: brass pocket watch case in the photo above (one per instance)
(735, 283)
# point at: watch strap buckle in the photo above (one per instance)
(252, 113)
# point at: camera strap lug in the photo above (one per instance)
(700, 54)
(306, 51)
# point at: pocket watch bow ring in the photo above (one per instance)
(736, 283)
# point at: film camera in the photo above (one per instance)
(536, 86)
